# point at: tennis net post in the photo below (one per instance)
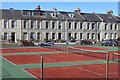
(107, 66)
(41, 67)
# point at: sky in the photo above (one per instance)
(87, 7)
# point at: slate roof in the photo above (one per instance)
(61, 15)
(15, 14)
(90, 17)
(118, 17)
(108, 18)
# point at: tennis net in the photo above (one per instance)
(56, 47)
(90, 53)
(116, 57)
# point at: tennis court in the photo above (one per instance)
(79, 71)
(70, 62)
(58, 57)
(15, 50)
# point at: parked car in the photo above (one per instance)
(46, 43)
(86, 42)
(27, 43)
(109, 42)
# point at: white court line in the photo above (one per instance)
(29, 73)
(8, 60)
(49, 59)
(90, 71)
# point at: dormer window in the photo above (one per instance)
(71, 15)
(54, 14)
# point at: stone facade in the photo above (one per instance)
(38, 25)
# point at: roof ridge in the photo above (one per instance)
(98, 16)
(115, 17)
(82, 16)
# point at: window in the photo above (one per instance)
(59, 25)
(39, 25)
(47, 25)
(38, 36)
(70, 25)
(105, 36)
(59, 36)
(13, 24)
(115, 26)
(53, 25)
(32, 24)
(115, 36)
(88, 34)
(71, 15)
(111, 27)
(53, 36)
(47, 35)
(88, 25)
(5, 36)
(54, 14)
(5, 24)
(92, 36)
(81, 34)
(105, 26)
(26, 13)
(92, 26)
(111, 35)
(25, 24)
(32, 35)
(75, 25)
(75, 36)
(80, 25)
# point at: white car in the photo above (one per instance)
(46, 43)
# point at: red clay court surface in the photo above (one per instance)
(35, 58)
(80, 71)
(14, 50)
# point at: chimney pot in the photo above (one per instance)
(77, 10)
(110, 12)
(38, 8)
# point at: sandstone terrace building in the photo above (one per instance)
(39, 24)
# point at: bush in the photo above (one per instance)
(62, 41)
(45, 39)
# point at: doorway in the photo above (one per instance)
(13, 37)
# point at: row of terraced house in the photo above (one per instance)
(39, 24)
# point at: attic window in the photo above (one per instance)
(71, 15)
(25, 13)
(54, 14)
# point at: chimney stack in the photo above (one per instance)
(77, 10)
(38, 8)
(110, 12)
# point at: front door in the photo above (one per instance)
(13, 37)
